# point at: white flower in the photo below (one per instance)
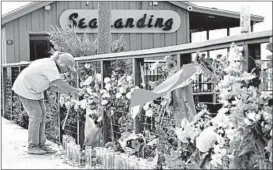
(89, 90)
(167, 58)
(221, 118)
(108, 86)
(220, 131)
(153, 84)
(88, 81)
(257, 117)
(62, 100)
(98, 77)
(223, 111)
(247, 122)
(112, 112)
(134, 111)
(67, 104)
(76, 106)
(129, 78)
(122, 90)
(154, 66)
(107, 80)
(87, 65)
(267, 116)
(129, 95)
(83, 103)
(81, 84)
(143, 84)
(231, 133)
(99, 119)
(103, 91)
(104, 102)
(146, 106)
(149, 112)
(132, 90)
(90, 101)
(206, 139)
(118, 95)
(251, 116)
(265, 95)
(90, 112)
(106, 95)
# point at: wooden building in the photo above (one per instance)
(144, 25)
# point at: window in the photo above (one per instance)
(199, 36)
(39, 47)
(218, 33)
(235, 31)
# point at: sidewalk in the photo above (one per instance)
(14, 151)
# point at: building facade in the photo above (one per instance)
(144, 25)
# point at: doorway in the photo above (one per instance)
(39, 47)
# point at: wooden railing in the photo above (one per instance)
(250, 43)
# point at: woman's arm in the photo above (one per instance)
(58, 90)
(65, 87)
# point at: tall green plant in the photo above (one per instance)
(67, 40)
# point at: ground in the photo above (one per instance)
(14, 151)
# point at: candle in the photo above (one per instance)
(76, 155)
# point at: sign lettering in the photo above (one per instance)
(123, 21)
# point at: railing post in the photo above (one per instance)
(137, 62)
(78, 116)
(246, 54)
(104, 73)
(4, 90)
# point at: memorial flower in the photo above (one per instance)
(205, 141)
(118, 95)
(104, 102)
(171, 65)
(107, 80)
(154, 66)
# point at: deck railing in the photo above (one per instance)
(250, 43)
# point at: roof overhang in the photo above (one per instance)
(195, 9)
(215, 11)
(23, 11)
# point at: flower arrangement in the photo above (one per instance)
(116, 97)
(239, 135)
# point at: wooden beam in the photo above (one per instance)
(78, 116)
(252, 28)
(4, 91)
(137, 62)
(105, 65)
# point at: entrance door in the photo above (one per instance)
(39, 47)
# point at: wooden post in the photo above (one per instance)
(246, 54)
(254, 53)
(104, 73)
(4, 87)
(11, 92)
(104, 47)
(78, 116)
(228, 31)
(137, 62)
(252, 28)
(208, 39)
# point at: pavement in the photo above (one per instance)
(14, 151)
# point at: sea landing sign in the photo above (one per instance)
(123, 21)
